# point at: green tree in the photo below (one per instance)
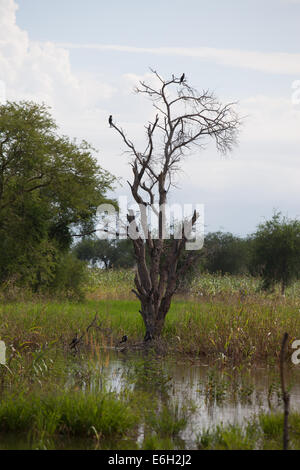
(108, 253)
(276, 251)
(50, 186)
(225, 253)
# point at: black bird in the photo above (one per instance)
(110, 120)
(74, 341)
(124, 339)
(182, 78)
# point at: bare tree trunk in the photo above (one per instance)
(154, 322)
(154, 315)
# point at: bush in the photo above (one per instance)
(225, 253)
(70, 278)
(276, 252)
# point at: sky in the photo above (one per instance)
(84, 58)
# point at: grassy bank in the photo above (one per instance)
(235, 330)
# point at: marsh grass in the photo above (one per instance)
(165, 425)
(65, 393)
(117, 284)
(262, 432)
(170, 420)
(148, 373)
(234, 331)
(66, 396)
(154, 442)
(68, 413)
(223, 384)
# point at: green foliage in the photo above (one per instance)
(271, 425)
(234, 331)
(223, 385)
(276, 252)
(170, 421)
(65, 413)
(225, 253)
(222, 254)
(47, 392)
(70, 277)
(164, 426)
(153, 442)
(228, 437)
(262, 432)
(222, 286)
(111, 283)
(109, 253)
(48, 185)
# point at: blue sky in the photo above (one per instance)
(83, 59)
(269, 25)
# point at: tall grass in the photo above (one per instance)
(70, 413)
(110, 284)
(237, 330)
(117, 284)
(48, 394)
(262, 432)
(231, 321)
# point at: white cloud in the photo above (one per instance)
(42, 71)
(264, 169)
(2, 92)
(273, 120)
(270, 62)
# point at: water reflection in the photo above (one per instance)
(220, 395)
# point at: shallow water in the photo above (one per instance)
(220, 394)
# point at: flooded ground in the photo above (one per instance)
(212, 395)
(220, 395)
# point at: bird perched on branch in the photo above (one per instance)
(124, 339)
(182, 78)
(110, 120)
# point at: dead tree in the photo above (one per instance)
(184, 118)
